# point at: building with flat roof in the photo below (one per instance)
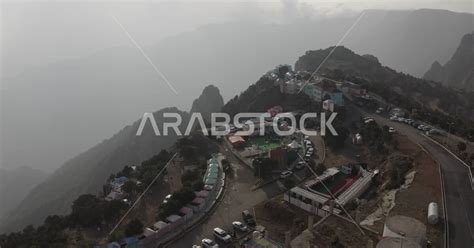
(236, 141)
(316, 196)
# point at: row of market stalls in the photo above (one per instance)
(163, 229)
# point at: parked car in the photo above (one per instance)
(248, 218)
(433, 131)
(222, 235)
(393, 118)
(167, 198)
(209, 243)
(286, 174)
(300, 165)
(208, 187)
(368, 120)
(307, 157)
(240, 226)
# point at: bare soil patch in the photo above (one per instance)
(278, 217)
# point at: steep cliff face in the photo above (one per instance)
(87, 172)
(210, 101)
(458, 72)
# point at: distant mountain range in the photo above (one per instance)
(115, 85)
(87, 172)
(458, 72)
(116, 81)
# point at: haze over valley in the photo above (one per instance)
(76, 77)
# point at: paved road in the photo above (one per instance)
(458, 193)
(238, 197)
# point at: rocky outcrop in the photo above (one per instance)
(210, 101)
(458, 72)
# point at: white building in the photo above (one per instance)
(314, 197)
(291, 86)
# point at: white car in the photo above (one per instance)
(240, 226)
(209, 243)
(368, 120)
(285, 174)
(393, 118)
(167, 198)
(222, 235)
(391, 130)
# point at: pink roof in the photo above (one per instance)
(198, 201)
(236, 139)
(202, 193)
(185, 210)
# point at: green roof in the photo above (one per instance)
(210, 181)
(213, 170)
(211, 175)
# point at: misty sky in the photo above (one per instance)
(37, 34)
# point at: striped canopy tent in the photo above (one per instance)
(211, 175)
(213, 169)
(213, 161)
(210, 181)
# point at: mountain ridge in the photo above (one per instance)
(458, 72)
(86, 172)
(430, 101)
